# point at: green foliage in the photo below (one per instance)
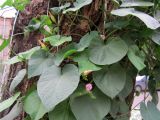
(15, 111)
(90, 107)
(90, 79)
(57, 40)
(110, 80)
(20, 76)
(4, 44)
(148, 20)
(156, 37)
(136, 57)
(77, 5)
(62, 112)
(7, 103)
(149, 112)
(136, 3)
(39, 62)
(22, 56)
(107, 53)
(33, 106)
(18, 4)
(83, 62)
(42, 23)
(65, 81)
(64, 53)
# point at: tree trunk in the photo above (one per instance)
(90, 18)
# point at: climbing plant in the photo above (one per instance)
(92, 78)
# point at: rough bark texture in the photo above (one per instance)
(75, 25)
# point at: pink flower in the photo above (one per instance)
(89, 87)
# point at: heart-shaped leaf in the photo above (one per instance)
(39, 62)
(57, 40)
(150, 22)
(136, 57)
(110, 80)
(62, 112)
(105, 54)
(91, 106)
(77, 5)
(55, 85)
(83, 62)
(21, 74)
(33, 106)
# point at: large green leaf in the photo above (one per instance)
(148, 20)
(64, 53)
(105, 54)
(23, 56)
(56, 84)
(83, 62)
(62, 112)
(110, 80)
(15, 111)
(136, 57)
(86, 40)
(156, 37)
(149, 112)
(39, 62)
(90, 107)
(21, 74)
(57, 40)
(7, 103)
(33, 106)
(136, 3)
(77, 5)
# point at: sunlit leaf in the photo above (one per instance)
(7, 103)
(136, 3)
(22, 56)
(57, 40)
(150, 22)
